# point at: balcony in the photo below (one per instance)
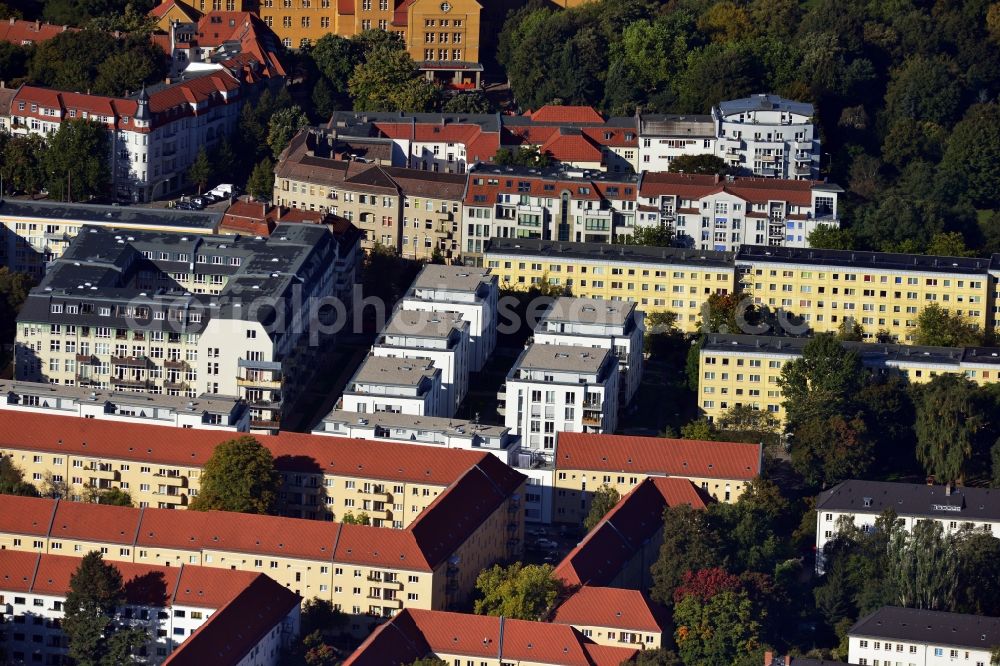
(392, 603)
(592, 406)
(176, 364)
(102, 472)
(375, 495)
(801, 170)
(131, 382)
(591, 420)
(258, 382)
(180, 386)
(264, 424)
(380, 514)
(171, 481)
(130, 361)
(87, 359)
(167, 498)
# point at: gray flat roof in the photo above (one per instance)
(590, 311)
(765, 102)
(422, 323)
(871, 352)
(394, 371)
(912, 499)
(641, 254)
(444, 424)
(931, 627)
(560, 172)
(455, 278)
(206, 402)
(562, 358)
(119, 216)
(858, 260)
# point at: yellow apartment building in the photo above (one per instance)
(368, 572)
(880, 291)
(735, 370)
(323, 477)
(584, 462)
(657, 279)
(615, 617)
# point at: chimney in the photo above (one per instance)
(768, 658)
(263, 209)
(716, 178)
(38, 25)
(947, 489)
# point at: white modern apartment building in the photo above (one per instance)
(917, 637)
(184, 315)
(470, 292)
(35, 233)
(663, 138)
(613, 325)
(403, 386)
(559, 388)
(440, 337)
(192, 614)
(725, 212)
(422, 431)
(769, 136)
(210, 412)
(864, 501)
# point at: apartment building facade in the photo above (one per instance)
(416, 214)
(547, 204)
(862, 502)
(737, 370)
(922, 638)
(369, 573)
(196, 605)
(612, 325)
(614, 617)
(724, 212)
(882, 292)
(473, 293)
(657, 279)
(584, 462)
(440, 337)
(160, 313)
(559, 388)
(72, 454)
(209, 412)
(768, 135)
(35, 233)
(397, 385)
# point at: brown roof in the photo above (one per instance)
(756, 190)
(658, 455)
(611, 607)
(21, 32)
(419, 183)
(292, 452)
(413, 634)
(607, 548)
(551, 113)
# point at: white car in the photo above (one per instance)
(546, 543)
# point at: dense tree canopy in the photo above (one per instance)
(76, 161)
(239, 476)
(524, 592)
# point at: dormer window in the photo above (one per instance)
(867, 501)
(72, 113)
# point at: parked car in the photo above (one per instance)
(547, 544)
(183, 205)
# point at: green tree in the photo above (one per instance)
(605, 498)
(388, 80)
(661, 323)
(526, 156)
(222, 157)
(658, 657)
(969, 162)
(948, 426)
(125, 71)
(978, 577)
(324, 99)
(689, 544)
(76, 161)
(923, 89)
(722, 629)
(112, 496)
(704, 164)
(523, 592)
(948, 244)
(653, 236)
(938, 327)
(829, 449)
(361, 518)
(822, 382)
(200, 170)
(71, 60)
(850, 330)
(12, 480)
(22, 165)
(95, 637)
(468, 102)
(923, 569)
(756, 424)
(699, 429)
(260, 186)
(239, 476)
(719, 313)
(14, 288)
(14, 59)
(284, 124)
(336, 58)
(429, 661)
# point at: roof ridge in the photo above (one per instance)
(52, 519)
(177, 584)
(34, 573)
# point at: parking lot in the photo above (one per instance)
(546, 544)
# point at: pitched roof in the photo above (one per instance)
(29, 516)
(97, 438)
(756, 190)
(413, 634)
(16, 31)
(658, 455)
(913, 499)
(236, 628)
(607, 548)
(611, 607)
(551, 113)
(925, 626)
(571, 145)
(160, 10)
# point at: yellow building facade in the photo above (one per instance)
(656, 279)
(737, 370)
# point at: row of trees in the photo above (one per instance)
(72, 163)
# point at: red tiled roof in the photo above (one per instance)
(479, 145)
(236, 628)
(610, 607)
(571, 147)
(21, 32)
(250, 217)
(608, 547)
(145, 584)
(161, 9)
(756, 190)
(658, 455)
(617, 138)
(414, 633)
(29, 516)
(103, 523)
(192, 448)
(71, 104)
(551, 113)
(508, 184)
